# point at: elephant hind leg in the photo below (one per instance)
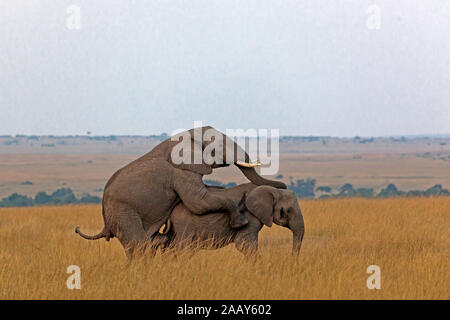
(130, 231)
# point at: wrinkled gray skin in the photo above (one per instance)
(262, 205)
(139, 197)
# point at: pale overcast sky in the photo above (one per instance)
(146, 67)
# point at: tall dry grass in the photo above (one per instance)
(407, 238)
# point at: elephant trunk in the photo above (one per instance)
(255, 178)
(242, 160)
(298, 231)
(297, 243)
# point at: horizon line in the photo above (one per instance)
(434, 135)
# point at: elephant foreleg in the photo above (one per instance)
(197, 199)
(247, 243)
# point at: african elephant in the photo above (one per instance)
(262, 205)
(139, 197)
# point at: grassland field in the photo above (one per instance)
(408, 238)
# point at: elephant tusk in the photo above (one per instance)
(165, 227)
(248, 165)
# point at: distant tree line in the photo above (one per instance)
(215, 183)
(59, 197)
(303, 188)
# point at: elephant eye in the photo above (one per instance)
(289, 210)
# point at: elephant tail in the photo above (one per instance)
(105, 233)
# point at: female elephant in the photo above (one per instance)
(262, 205)
(139, 197)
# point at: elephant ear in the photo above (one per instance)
(196, 152)
(260, 202)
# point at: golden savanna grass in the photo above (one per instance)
(407, 238)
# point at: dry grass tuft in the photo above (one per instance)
(407, 238)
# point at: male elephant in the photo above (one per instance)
(262, 205)
(139, 197)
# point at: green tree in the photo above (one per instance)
(63, 196)
(436, 190)
(87, 198)
(42, 198)
(347, 190)
(415, 193)
(325, 189)
(16, 200)
(390, 191)
(364, 192)
(303, 188)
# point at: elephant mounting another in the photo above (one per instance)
(262, 205)
(139, 197)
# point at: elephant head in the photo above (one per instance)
(280, 206)
(209, 141)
